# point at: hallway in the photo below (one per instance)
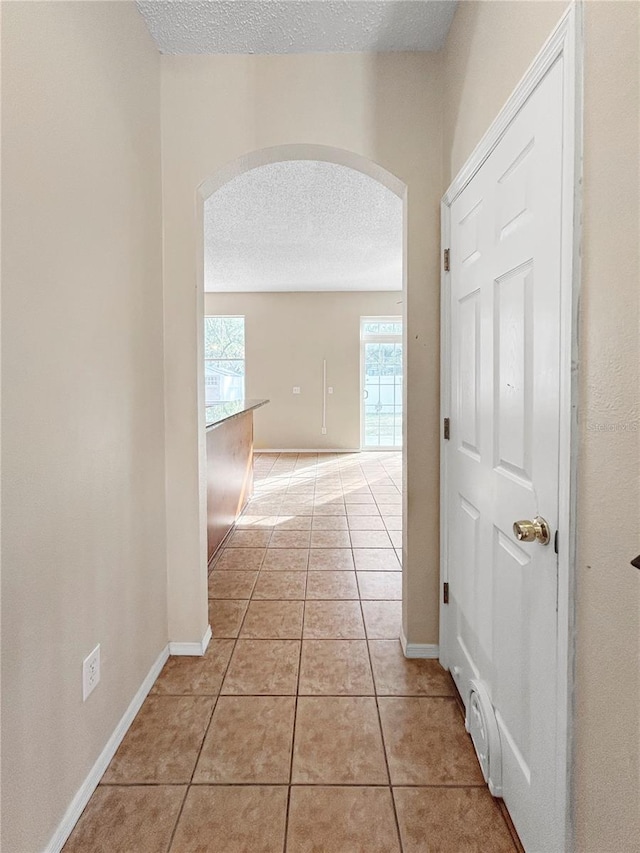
(303, 728)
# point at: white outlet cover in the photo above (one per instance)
(90, 673)
(330, 389)
(296, 389)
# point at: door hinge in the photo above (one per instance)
(445, 592)
(445, 260)
(446, 432)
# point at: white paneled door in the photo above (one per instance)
(502, 459)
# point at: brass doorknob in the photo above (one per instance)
(530, 531)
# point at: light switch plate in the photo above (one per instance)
(296, 389)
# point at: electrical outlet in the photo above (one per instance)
(90, 673)
(324, 430)
(296, 389)
(330, 389)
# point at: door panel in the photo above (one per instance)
(469, 372)
(503, 453)
(513, 347)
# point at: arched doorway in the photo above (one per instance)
(246, 164)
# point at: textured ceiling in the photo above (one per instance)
(303, 225)
(297, 26)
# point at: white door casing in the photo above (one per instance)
(508, 337)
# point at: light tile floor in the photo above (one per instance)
(303, 729)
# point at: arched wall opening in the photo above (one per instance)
(247, 163)
(383, 124)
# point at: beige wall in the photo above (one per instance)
(287, 337)
(215, 109)
(489, 47)
(83, 550)
(608, 604)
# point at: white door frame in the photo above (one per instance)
(565, 45)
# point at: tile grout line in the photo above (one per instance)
(293, 734)
(206, 732)
(178, 816)
(295, 716)
(442, 696)
(295, 709)
(382, 738)
(208, 727)
(442, 786)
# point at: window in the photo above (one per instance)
(381, 355)
(384, 326)
(223, 359)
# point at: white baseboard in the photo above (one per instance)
(257, 450)
(89, 785)
(195, 649)
(427, 651)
